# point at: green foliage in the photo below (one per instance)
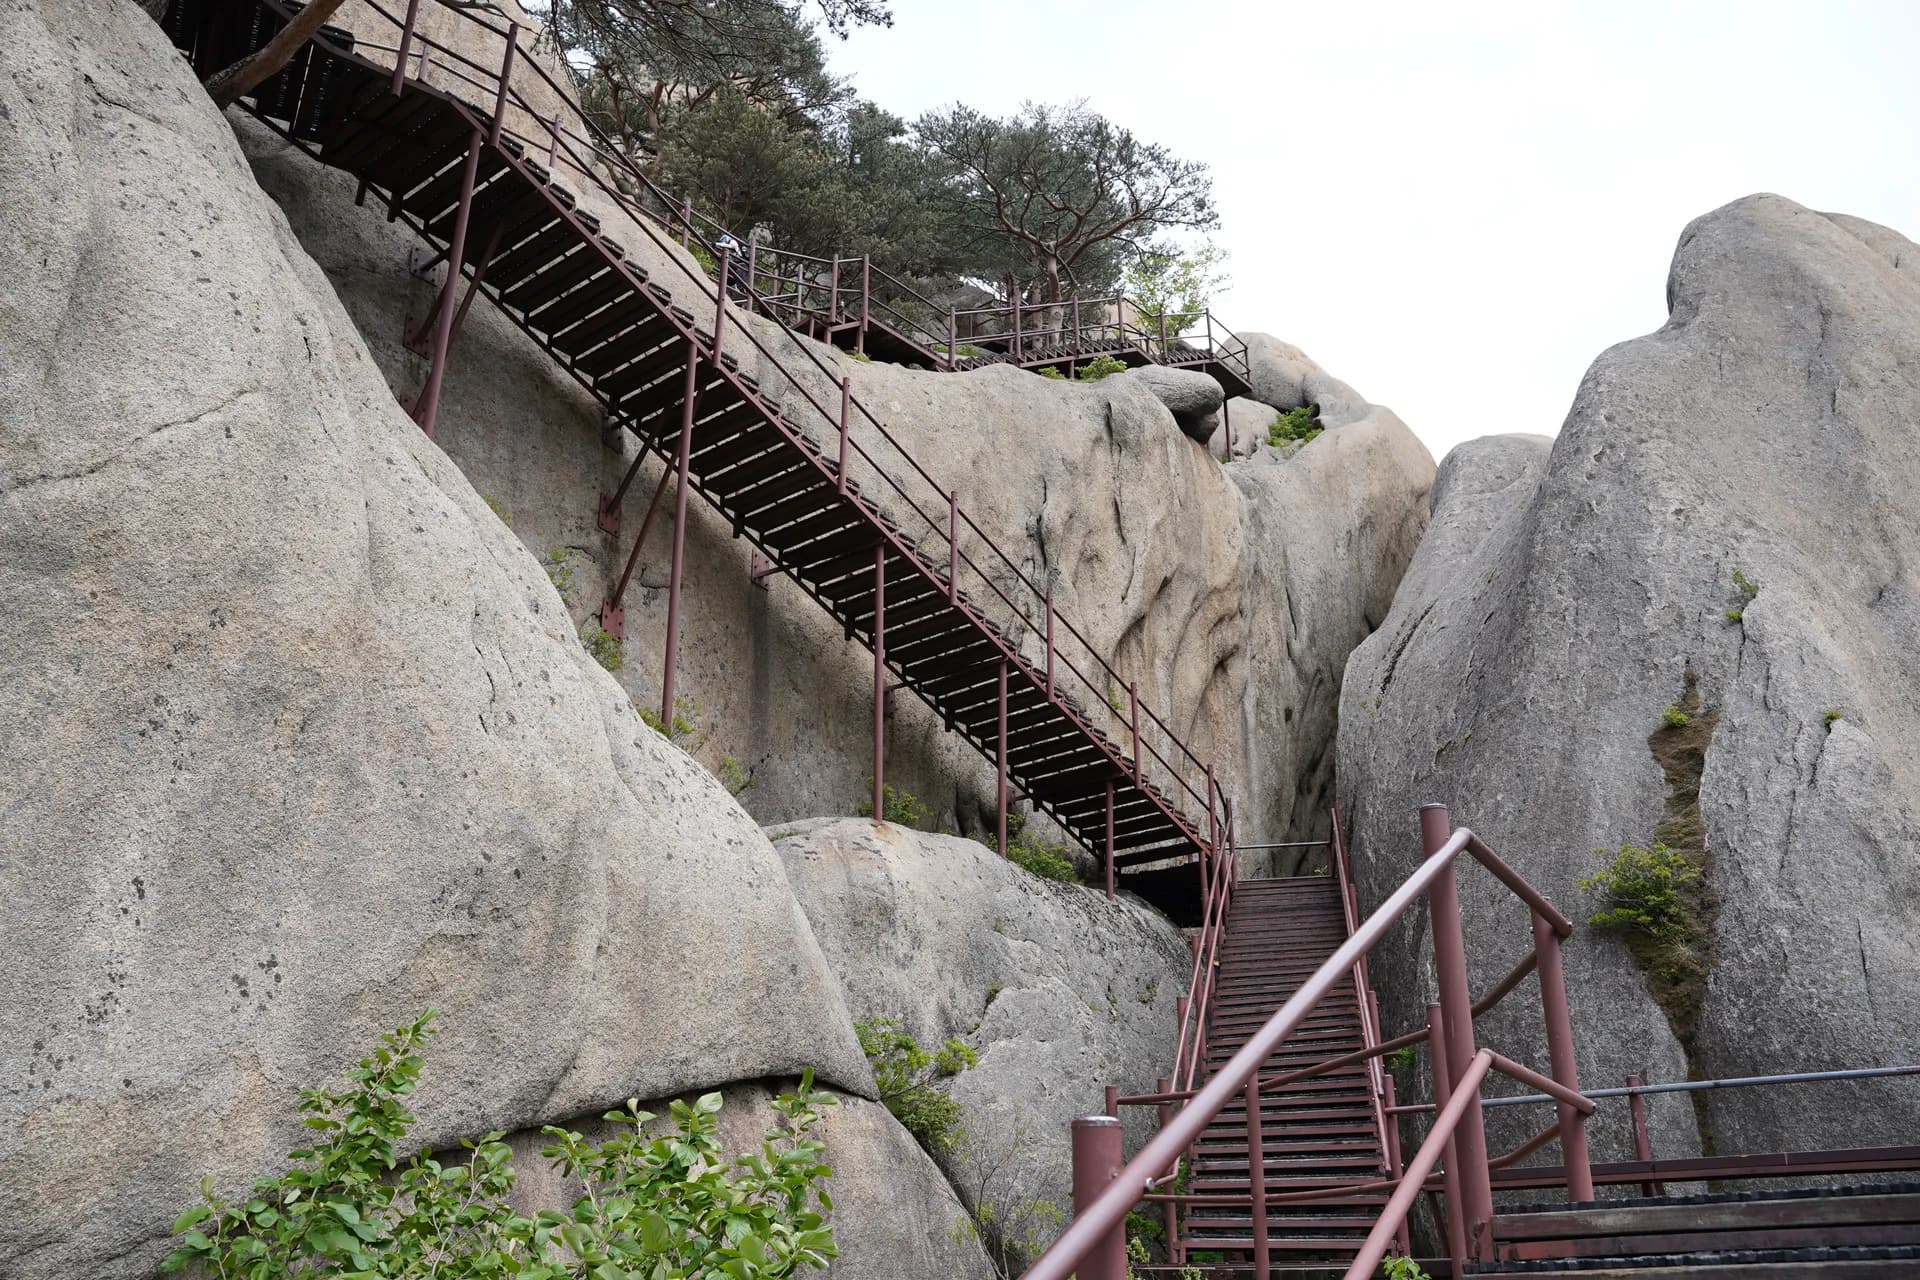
(1833, 714)
(506, 516)
(667, 1207)
(1099, 367)
(686, 718)
(1744, 585)
(1642, 892)
(732, 776)
(1162, 281)
(1295, 426)
(1735, 615)
(901, 808)
(1674, 718)
(1400, 1268)
(1012, 1229)
(1401, 1059)
(1051, 373)
(1032, 854)
(912, 1080)
(861, 356)
(606, 650)
(965, 351)
(704, 256)
(560, 570)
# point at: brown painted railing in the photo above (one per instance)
(938, 535)
(1093, 1246)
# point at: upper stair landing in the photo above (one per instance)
(824, 491)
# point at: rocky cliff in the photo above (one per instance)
(1691, 620)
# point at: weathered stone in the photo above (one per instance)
(1059, 990)
(1286, 377)
(1192, 397)
(298, 739)
(1558, 609)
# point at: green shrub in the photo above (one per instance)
(559, 566)
(1735, 615)
(1674, 718)
(606, 650)
(685, 720)
(1401, 1059)
(1028, 852)
(1833, 713)
(703, 256)
(912, 1081)
(861, 356)
(668, 1207)
(1400, 1268)
(965, 351)
(901, 808)
(1100, 367)
(1744, 585)
(1295, 426)
(732, 776)
(1048, 371)
(1642, 891)
(506, 516)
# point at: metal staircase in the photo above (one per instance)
(947, 614)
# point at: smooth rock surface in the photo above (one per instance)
(1059, 990)
(1769, 428)
(1192, 397)
(298, 739)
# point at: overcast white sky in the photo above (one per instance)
(1454, 207)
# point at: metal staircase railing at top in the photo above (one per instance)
(824, 490)
(1451, 1166)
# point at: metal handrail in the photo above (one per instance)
(1097, 1221)
(565, 142)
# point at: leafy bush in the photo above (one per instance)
(1833, 713)
(1295, 426)
(732, 776)
(1401, 1059)
(667, 1208)
(1050, 372)
(1736, 615)
(559, 565)
(1674, 718)
(1032, 854)
(1400, 1268)
(1642, 890)
(704, 256)
(1100, 367)
(861, 356)
(911, 1080)
(606, 650)
(685, 720)
(901, 808)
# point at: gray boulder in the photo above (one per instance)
(1192, 397)
(298, 739)
(1059, 990)
(1725, 516)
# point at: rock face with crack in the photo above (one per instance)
(1725, 528)
(1059, 990)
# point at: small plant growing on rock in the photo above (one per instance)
(560, 567)
(901, 808)
(685, 718)
(732, 776)
(1674, 718)
(1100, 367)
(1396, 1267)
(493, 504)
(606, 650)
(668, 1207)
(1641, 888)
(1744, 585)
(861, 356)
(913, 1082)
(1051, 373)
(1032, 854)
(1736, 615)
(1295, 426)
(1401, 1059)
(1833, 714)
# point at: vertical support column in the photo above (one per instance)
(1642, 1143)
(1560, 1055)
(879, 679)
(953, 546)
(1257, 1179)
(406, 42)
(866, 303)
(1133, 702)
(1113, 1100)
(1049, 642)
(1016, 324)
(426, 410)
(682, 456)
(953, 339)
(1000, 760)
(506, 74)
(833, 294)
(1096, 1162)
(1456, 1006)
(720, 305)
(1396, 1166)
(1226, 429)
(1454, 1224)
(753, 269)
(846, 399)
(613, 614)
(1176, 1252)
(1109, 839)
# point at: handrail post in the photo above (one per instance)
(1000, 760)
(1176, 1252)
(720, 305)
(846, 399)
(406, 40)
(1257, 1180)
(953, 339)
(426, 408)
(1016, 326)
(1049, 642)
(1096, 1161)
(1456, 1004)
(753, 270)
(1455, 1224)
(677, 573)
(1642, 1143)
(1110, 844)
(1133, 698)
(506, 74)
(1180, 1006)
(879, 679)
(866, 299)
(953, 546)
(1395, 1162)
(833, 294)
(1560, 1055)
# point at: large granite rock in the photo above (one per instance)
(298, 739)
(1192, 397)
(1059, 990)
(1764, 436)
